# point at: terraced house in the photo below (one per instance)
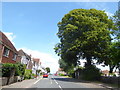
(8, 53)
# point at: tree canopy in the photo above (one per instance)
(84, 33)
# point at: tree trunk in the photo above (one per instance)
(111, 68)
(88, 61)
(12, 73)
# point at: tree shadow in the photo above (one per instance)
(71, 80)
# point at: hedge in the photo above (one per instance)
(7, 68)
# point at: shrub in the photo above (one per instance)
(20, 69)
(62, 74)
(28, 74)
(91, 73)
(7, 68)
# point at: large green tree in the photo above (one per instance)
(114, 51)
(84, 33)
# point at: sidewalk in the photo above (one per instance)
(23, 84)
(93, 84)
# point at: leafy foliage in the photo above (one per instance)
(28, 74)
(91, 73)
(20, 69)
(48, 69)
(84, 34)
(6, 69)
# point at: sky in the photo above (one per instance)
(32, 26)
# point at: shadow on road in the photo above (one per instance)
(70, 80)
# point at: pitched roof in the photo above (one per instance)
(22, 53)
(36, 60)
(6, 42)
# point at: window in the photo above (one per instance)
(6, 52)
(14, 56)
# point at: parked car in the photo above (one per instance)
(45, 75)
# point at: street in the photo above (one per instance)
(53, 82)
(62, 83)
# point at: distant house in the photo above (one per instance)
(24, 58)
(8, 53)
(105, 73)
(36, 65)
(60, 71)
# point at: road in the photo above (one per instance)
(53, 83)
(62, 83)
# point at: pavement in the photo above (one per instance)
(24, 83)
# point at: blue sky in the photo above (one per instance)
(33, 25)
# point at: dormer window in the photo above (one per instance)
(6, 52)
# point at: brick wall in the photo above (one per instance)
(8, 59)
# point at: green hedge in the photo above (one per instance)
(7, 68)
(20, 69)
(91, 73)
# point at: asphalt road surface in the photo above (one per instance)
(62, 83)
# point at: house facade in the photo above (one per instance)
(36, 65)
(24, 58)
(8, 53)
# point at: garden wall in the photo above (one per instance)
(111, 80)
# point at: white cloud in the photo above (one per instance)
(109, 14)
(46, 59)
(10, 36)
(100, 66)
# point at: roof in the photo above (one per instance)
(6, 42)
(105, 71)
(36, 60)
(22, 53)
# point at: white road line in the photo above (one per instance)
(60, 87)
(57, 84)
(37, 80)
(51, 82)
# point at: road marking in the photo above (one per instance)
(60, 87)
(55, 81)
(51, 82)
(57, 84)
(37, 80)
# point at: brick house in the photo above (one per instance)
(24, 58)
(8, 53)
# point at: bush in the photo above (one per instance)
(91, 73)
(20, 69)
(28, 74)
(33, 75)
(7, 68)
(61, 74)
